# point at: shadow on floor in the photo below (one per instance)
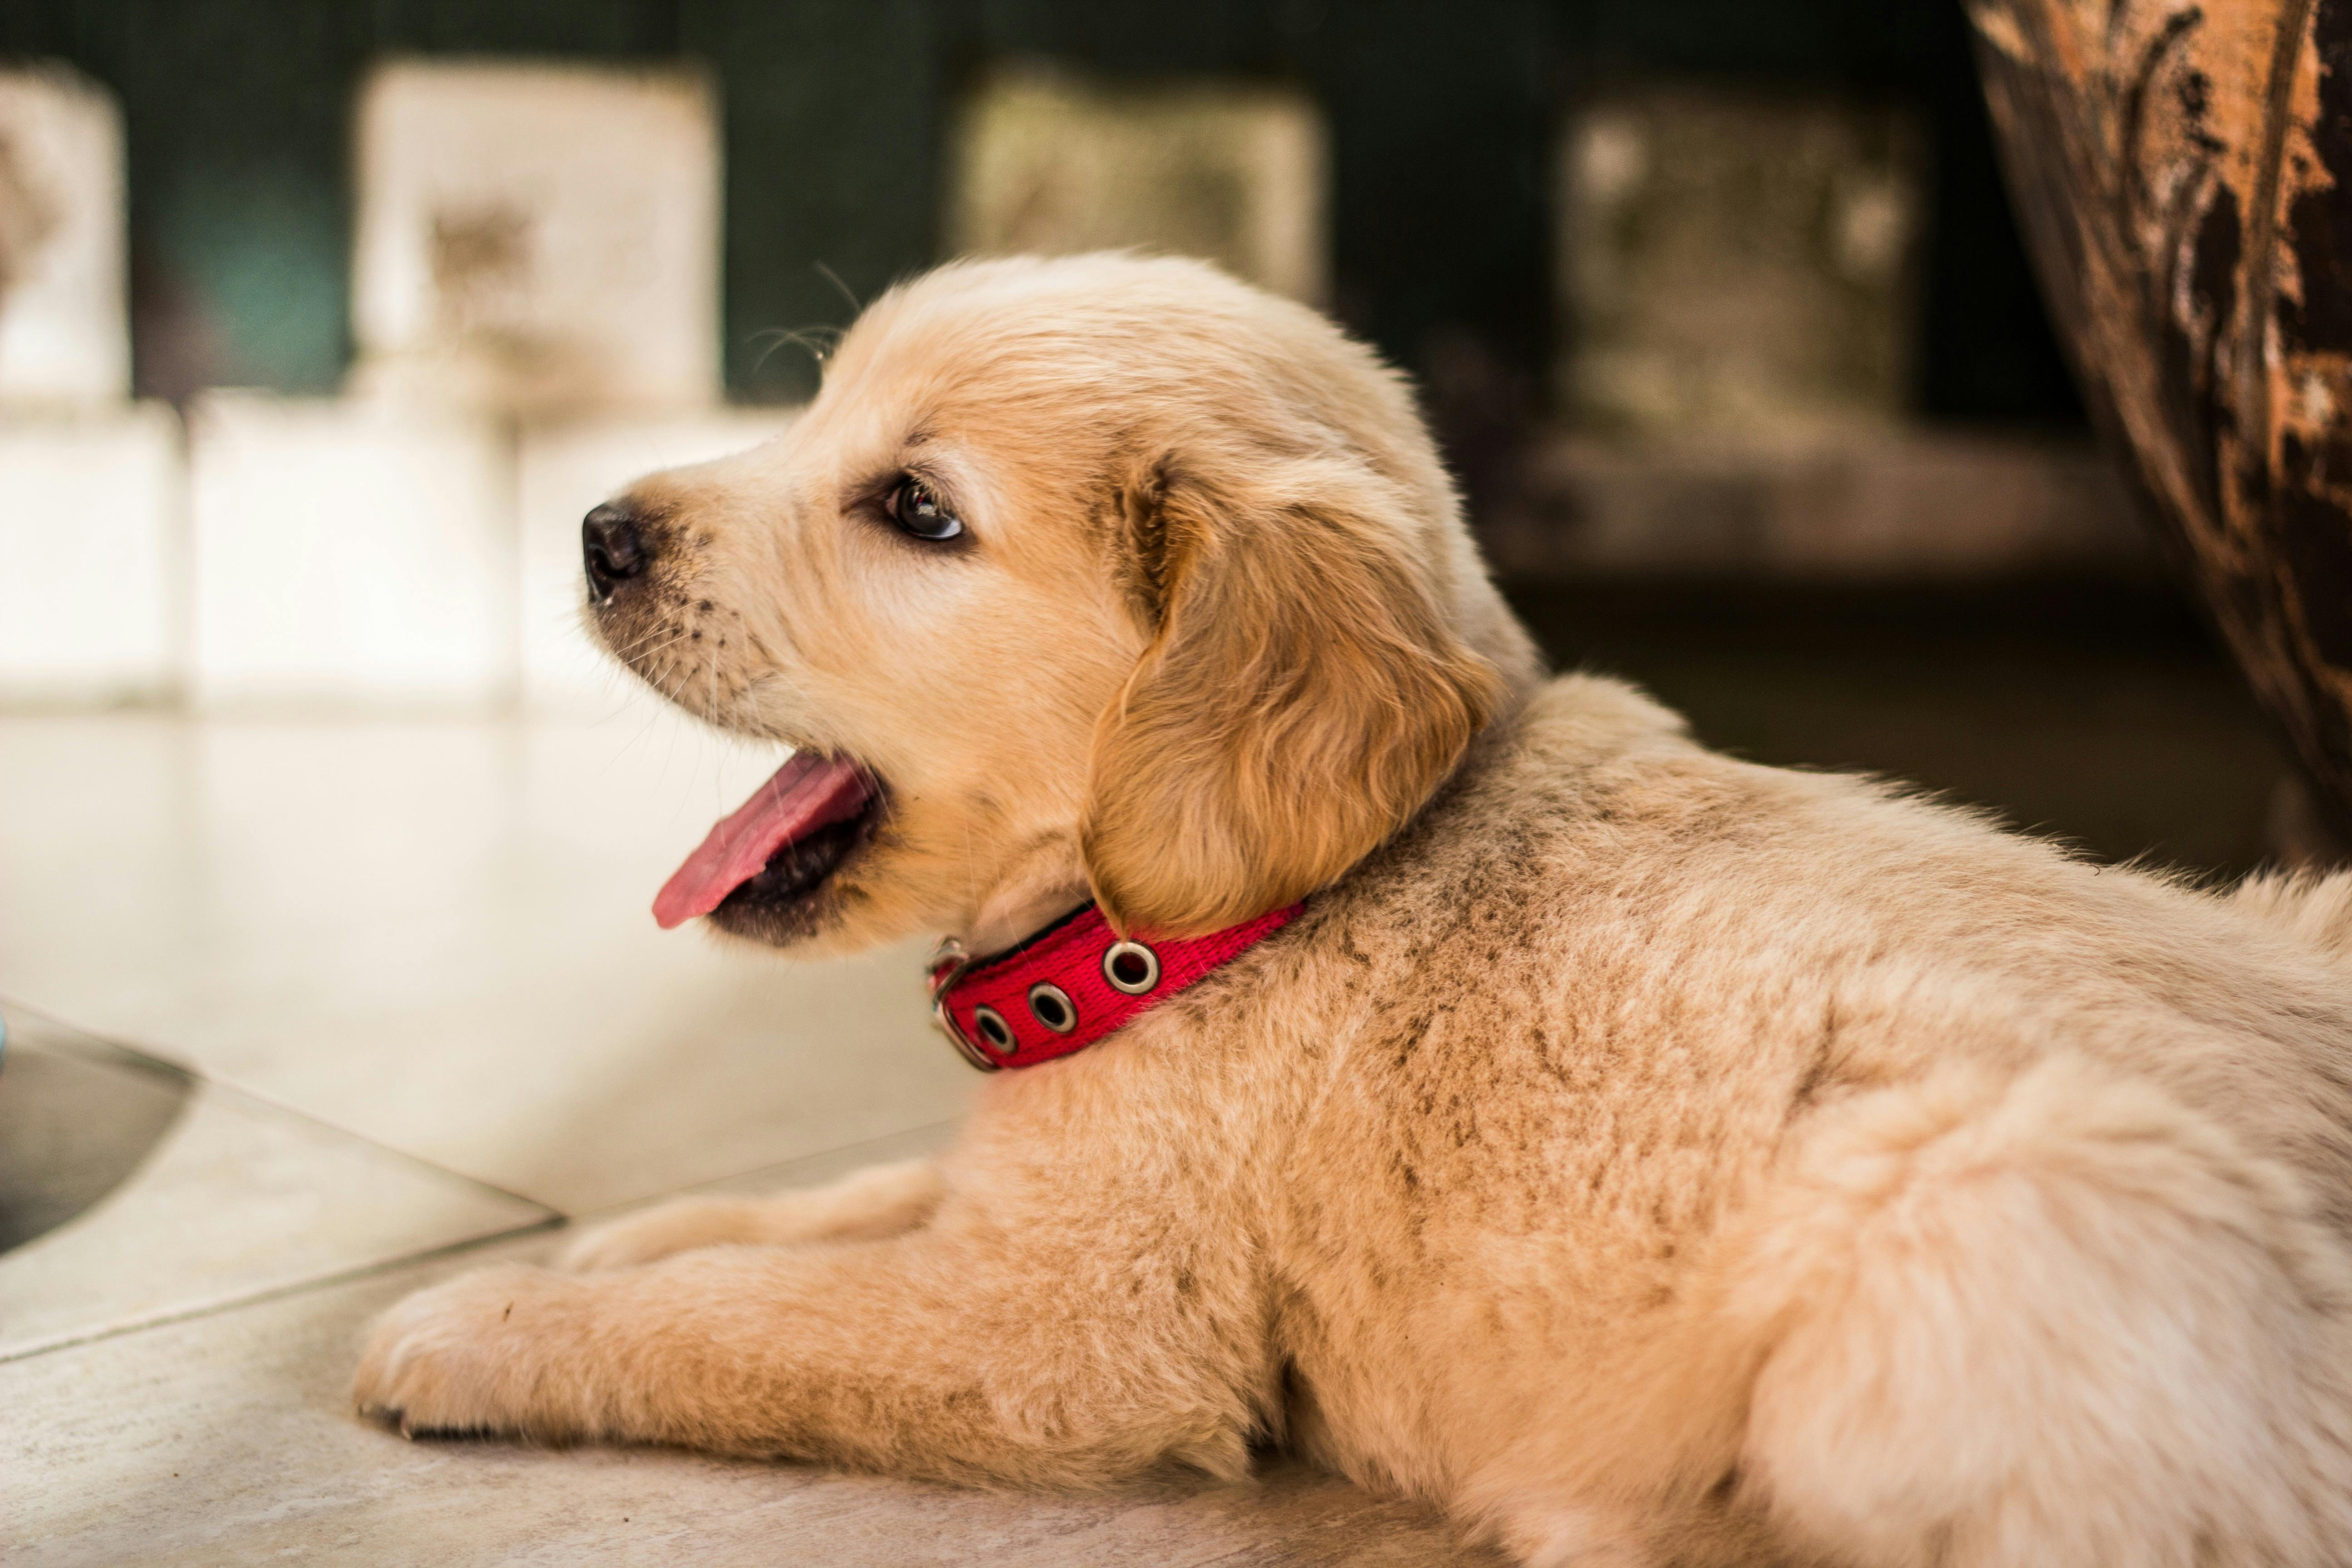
(73, 1129)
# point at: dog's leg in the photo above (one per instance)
(866, 1206)
(2062, 1321)
(1057, 1351)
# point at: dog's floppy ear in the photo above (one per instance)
(1301, 700)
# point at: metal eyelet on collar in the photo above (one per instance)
(1051, 1006)
(994, 1032)
(1130, 967)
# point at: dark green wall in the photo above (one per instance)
(1441, 117)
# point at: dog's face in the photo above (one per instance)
(1102, 575)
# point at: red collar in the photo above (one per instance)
(1070, 985)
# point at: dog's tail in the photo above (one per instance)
(2315, 907)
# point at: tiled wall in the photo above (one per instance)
(538, 319)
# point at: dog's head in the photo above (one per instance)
(1105, 575)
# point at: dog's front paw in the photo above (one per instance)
(499, 1350)
(671, 1227)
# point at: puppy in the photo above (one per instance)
(1649, 1157)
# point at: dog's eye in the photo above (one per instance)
(918, 511)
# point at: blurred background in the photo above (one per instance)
(322, 322)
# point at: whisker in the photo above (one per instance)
(636, 643)
(638, 653)
(856, 305)
(805, 338)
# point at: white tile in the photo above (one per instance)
(231, 1200)
(64, 322)
(564, 469)
(536, 235)
(1050, 162)
(229, 1440)
(90, 609)
(349, 552)
(1736, 263)
(435, 934)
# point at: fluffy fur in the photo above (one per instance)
(1650, 1157)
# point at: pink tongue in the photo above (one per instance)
(807, 793)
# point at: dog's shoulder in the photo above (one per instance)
(1590, 847)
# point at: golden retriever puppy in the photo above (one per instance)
(1649, 1157)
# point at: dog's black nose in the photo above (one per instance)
(613, 548)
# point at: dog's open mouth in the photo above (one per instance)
(778, 846)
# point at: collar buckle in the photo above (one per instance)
(947, 962)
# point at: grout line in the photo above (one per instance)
(281, 1292)
(80, 1040)
(553, 1222)
(153, 1061)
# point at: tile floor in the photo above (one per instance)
(325, 1011)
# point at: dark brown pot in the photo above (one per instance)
(2184, 174)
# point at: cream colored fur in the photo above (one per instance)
(1650, 1157)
